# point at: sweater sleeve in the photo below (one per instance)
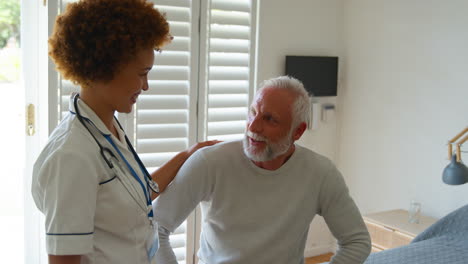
(344, 220)
(192, 185)
(165, 254)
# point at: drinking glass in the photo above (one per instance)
(414, 212)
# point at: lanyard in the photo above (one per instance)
(150, 184)
(135, 175)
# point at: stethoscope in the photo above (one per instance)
(106, 152)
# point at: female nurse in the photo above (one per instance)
(88, 181)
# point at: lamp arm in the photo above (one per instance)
(450, 150)
(459, 143)
(459, 135)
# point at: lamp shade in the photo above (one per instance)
(455, 173)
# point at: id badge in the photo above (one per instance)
(152, 241)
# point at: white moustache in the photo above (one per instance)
(256, 136)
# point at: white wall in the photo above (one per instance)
(303, 27)
(405, 94)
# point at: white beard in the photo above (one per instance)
(270, 151)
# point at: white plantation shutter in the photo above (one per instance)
(229, 65)
(199, 88)
(165, 115)
(162, 112)
(65, 87)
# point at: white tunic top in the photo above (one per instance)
(88, 211)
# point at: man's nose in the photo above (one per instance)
(255, 125)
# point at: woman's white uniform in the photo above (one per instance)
(89, 210)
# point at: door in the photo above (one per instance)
(12, 151)
(34, 132)
(23, 76)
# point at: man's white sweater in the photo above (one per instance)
(256, 216)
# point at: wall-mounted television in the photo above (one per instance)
(318, 74)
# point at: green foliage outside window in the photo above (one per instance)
(9, 21)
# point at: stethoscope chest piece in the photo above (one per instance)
(153, 185)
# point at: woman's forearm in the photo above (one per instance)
(166, 173)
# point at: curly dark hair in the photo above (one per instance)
(93, 39)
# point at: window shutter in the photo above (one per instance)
(65, 87)
(209, 67)
(230, 63)
(165, 114)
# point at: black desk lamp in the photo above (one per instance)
(456, 172)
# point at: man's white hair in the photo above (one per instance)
(301, 107)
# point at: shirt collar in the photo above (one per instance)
(87, 113)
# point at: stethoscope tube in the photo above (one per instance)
(151, 183)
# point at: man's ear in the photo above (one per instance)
(299, 131)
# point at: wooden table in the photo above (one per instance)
(390, 229)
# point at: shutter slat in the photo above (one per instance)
(157, 87)
(167, 57)
(178, 44)
(163, 102)
(175, 13)
(237, 5)
(164, 116)
(162, 131)
(230, 32)
(228, 73)
(230, 100)
(179, 3)
(227, 114)
(230, 17)
(169, 73)
(231, 45)
(229, 59)
(226, 127)
(229, 87)
(161, 145)
(179, 29)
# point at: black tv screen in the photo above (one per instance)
(318, 74)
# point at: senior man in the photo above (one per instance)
(258, 195)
